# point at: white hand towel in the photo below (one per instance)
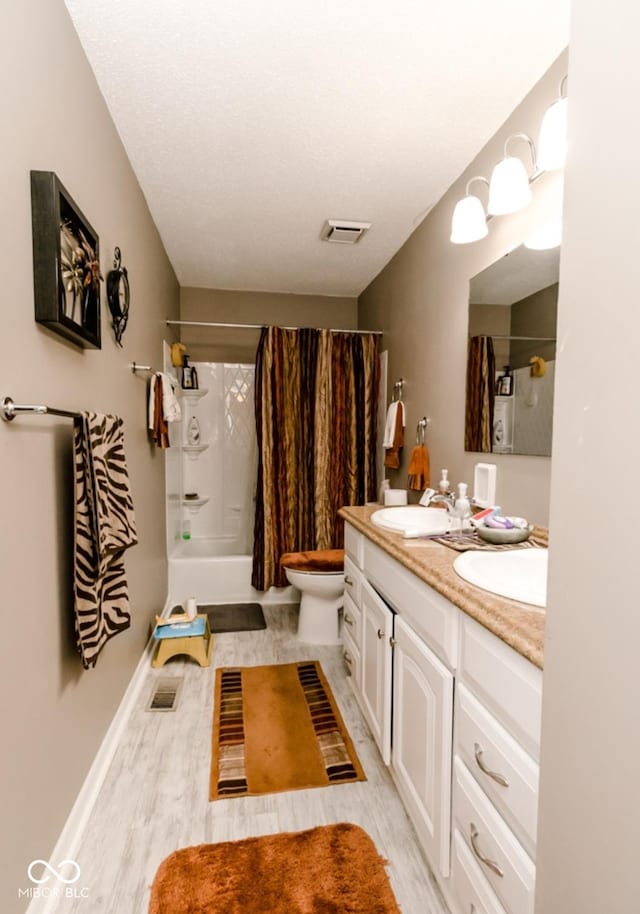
(390, 424)
(170, 405)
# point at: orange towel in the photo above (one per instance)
(314, 560)
(419, 468)
(392, 454)
(159, 428)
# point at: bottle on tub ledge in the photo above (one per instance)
(193, 432)
(505, 383)
(189, 380)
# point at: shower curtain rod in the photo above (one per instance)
(253, 326)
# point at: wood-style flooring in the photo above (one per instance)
(155, 797)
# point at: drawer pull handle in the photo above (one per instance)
(499, 778)
(348, 580)
(392, 641)
(380, 634)
(347, 657)
(348, 619)
(474, 846)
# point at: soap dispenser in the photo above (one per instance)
(462, 506)
(444, 485)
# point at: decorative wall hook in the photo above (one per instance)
(421, 429)
(118, 294)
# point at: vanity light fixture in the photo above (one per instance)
(509, 188)
(510, 185)
(552, 142)
(469, 222)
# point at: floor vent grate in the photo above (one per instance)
(164, 696)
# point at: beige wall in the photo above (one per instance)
(589, 796)
(217, 344)
(55, 714)
(420, 300)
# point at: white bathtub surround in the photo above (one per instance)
(195, 572)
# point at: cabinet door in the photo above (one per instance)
(376, 652)
(422, 741)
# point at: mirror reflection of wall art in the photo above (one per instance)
(66, 263)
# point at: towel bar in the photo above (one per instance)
(10, 410)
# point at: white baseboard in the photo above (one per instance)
(70, 838)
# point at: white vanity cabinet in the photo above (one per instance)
(376, 656)
(495, 774)
(467, 770)
(421, 756)
(367, 633)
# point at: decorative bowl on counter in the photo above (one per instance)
(501, 536)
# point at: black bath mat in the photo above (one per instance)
(234, 617)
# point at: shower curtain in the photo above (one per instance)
(481, 372)
(316, 398)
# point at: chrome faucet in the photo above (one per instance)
(448, 500)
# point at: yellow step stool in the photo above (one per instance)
(191, 638)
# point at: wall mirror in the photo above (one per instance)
(512, 332)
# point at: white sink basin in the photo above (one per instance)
(412, 520)
(520, 574)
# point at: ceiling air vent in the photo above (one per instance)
(342, 232)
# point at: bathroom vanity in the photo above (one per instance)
(449, 679)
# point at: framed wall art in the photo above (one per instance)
(66, 263)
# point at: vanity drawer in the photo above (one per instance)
(508, 684)
(506, 773)
(351, 620)
(473, 893)
(351, 580)
(354, 544)
(428, 613)
(500, 856)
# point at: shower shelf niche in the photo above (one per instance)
(195, 394)
(194, 504)
(194, 450)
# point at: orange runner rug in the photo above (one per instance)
(278, 728)
(330, 868)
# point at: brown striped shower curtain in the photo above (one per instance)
(481, 373)
(316, 398)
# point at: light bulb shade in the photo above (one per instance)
(552, 143)
(546, 237)
(509, 188)
(469, 222)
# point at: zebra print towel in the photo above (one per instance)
(104, 528)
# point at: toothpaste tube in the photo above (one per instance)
(498, 522)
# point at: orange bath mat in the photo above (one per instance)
(278, 728)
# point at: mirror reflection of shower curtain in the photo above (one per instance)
(481, 369)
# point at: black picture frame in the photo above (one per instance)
(66, 263)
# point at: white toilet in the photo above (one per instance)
(322, 595)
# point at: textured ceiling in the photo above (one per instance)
(248, 123)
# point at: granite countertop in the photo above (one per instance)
(517, 624)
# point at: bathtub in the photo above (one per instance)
(206, 569)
